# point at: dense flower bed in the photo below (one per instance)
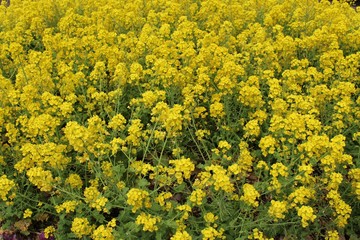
(180, 119)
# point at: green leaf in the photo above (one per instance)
(143, 183)
(179, 188)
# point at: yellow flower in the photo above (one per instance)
(335, 180)
(141, 167)
(148, 221)
(103, 233)
(115, 145)
(251, 96)
(43, 125)
(121, 185)
(68, 206)
(150, 97)
(76, 135)
(252, 129)
(176, 152)
(185, 209)
(27, 213)
(106, 167)
(5, 185)
(332, 235)
(341, 208)
(267, 145)
(162, 197)
(250, 195)
(220, 178)
(355, 181)
(262, 165)
(94, 198)
(244, 162)
(183, 168)
(210, 217)
(74, 180)
(210, 233)
(117, 122)
(134, 132)
(172, 119)
(41, 154)
(306, 214)
(41, 178)
(277, 209)
(201, 133)
(279, 169)
(302, 195)
(197, 196)
(217, 110)
(138, 198)
(48, 231)
(224, 146)
(81, 227)
(181, 235)
(258, 235)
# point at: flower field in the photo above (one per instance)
(179, 119)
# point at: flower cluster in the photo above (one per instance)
(180, 118)
(148, 222)
(6, 186)
(306, 214)
(138, 199)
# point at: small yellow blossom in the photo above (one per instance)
(258, 235)
(262, 165)
(224, 146)
(181, 235)
(332, 235)
(279, 169)
(307, 215)
(301, 195)
(103, 233)
(68, 206)
(41, 178)
(197, 196)
(95, 199)
(161, 199)
(211, 233)
(117, 122)
(210, 217)
(48, 231)
(138, 198)
(148, 222)
(220, 178)
(277, 209)
(185, 209)
(81, 227)
(183, 168)
(27, 213)
(120, 185)
(5, 185)
(267, 145)
(217, 110)
(250, 195)
(74, 180)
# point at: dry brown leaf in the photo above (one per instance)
(42, 217)
(23, 225)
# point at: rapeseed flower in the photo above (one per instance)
(138, 198)
(81, 227)
(6, 186)
(148, 222)
(149, 99)
(307, 215)
(277, 209)
(250, 195)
